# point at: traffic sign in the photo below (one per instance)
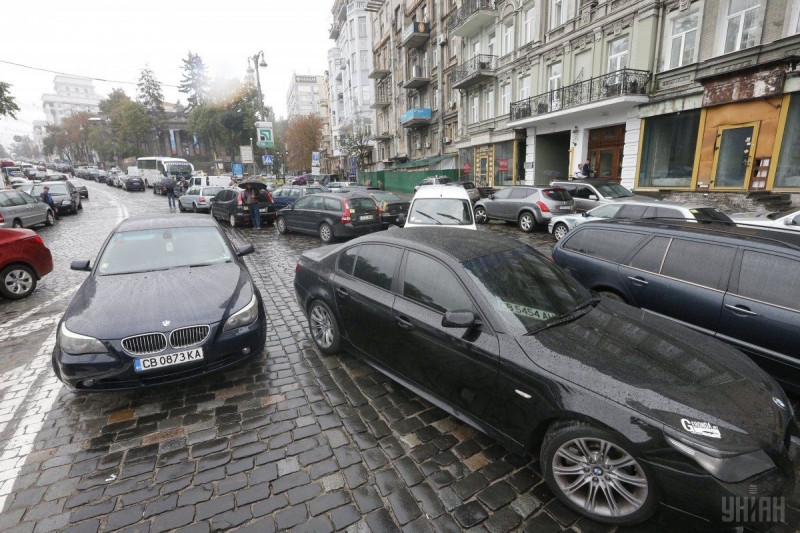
(264, 136)
(247, 154)
(267, 159)
(238, 169)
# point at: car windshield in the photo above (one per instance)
(129, 252)
(781, 214)
(526, 289)
(710, 214)
(361, 204)
(386, 197)
(15, 174)
(441, 211)
(55, 188)
(210, 191)
(612, 190)
(178, 168)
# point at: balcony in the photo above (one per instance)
(415, 35)
(621, 83)
(478, 69)
(335, 29)
(417, 77)
(471, 17)
(417, 117)
(379, 72)
(383, 136)
(381, 102)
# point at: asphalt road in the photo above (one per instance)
(292, 440)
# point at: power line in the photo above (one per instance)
(78, 75)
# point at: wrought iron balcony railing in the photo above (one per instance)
(467, 9)
(477, 65)
(618, 83)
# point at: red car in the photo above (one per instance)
(24, 259)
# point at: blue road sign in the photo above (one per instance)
(238, 169)
(267, 159)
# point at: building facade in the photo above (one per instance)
(304, 95)
(72, 95)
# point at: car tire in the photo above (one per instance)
(281, 223)
(211, 212)
(325, 233)
(181, 208)
(526, 222)
(560, 231)
(612, 295)
(50, 219)
(232, 220)
(17, 223)
(564, 463)
(324, 328)
(80, 206)
(194, 208)
(17, 282)
(480, 215)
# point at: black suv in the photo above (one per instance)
(228, 205)
(740, 285)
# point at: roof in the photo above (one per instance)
(459, 244)
(163, 222)
(441, 191)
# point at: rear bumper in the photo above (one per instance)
(349, 230)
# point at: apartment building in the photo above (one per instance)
(304, 95)
(72, 95)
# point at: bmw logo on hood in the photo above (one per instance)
(779, 403)
(166, 323)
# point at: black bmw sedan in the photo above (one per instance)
(167, 300)
(629, 411)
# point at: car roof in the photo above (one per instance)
(460, 245)
(163, 222)
(588, 181)
(442, 191)
(660, 203)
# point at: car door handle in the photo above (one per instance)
(741, 309)
(341, 293)
(638, 280)
(404, 323)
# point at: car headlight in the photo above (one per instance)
(728, 469)
(76, 344)
(244, 317)
(66, 202)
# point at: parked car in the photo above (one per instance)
(18, 182)
(197, 199)
(133, 183)
(24, 260)
(560, 225)
(81, 187)
(393, 208)
(526, 205)
(592, 192)
(439, 205)
(21, 210)
(56, 176)
(437, 180)
(740, 285)
(628, 412)
(289, 194)
(228, 205)
(472, 190)
(66, 197)
(782, 219)
(331, 216)
(220, 321)
(339, 184)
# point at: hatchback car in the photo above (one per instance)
(592, 192)
(24, 260)
(331, 216)
(472, 190)
(528, 206)
(629, 412)
(215, 317)
(289, 194)
(228, 205)
(437, 180)
(197, 199)
(65, 196)
(439, 205)
(133, 183)
(740, 285)
(19, 209)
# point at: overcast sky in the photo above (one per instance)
(114, 40)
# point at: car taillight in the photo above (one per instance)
(2, 219)
(38, 239)
(297, 268)
(202, 200)
(346, 216)
(239, 199)
(269, 196)
(543, 207)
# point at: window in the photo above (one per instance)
(505, 98)
(631, 212)
(489, 102)
(352, 29)
(554, 77)
(524, 87)
(508, 37)
(376, 264)
(518, 193)
(558, 13)
(362, 60)
(347, 260)
(362, 26)
(741, 26)
(788, 172)
(682, 41)
(668, 150)
(490, 49)
(502, 194)
(664, 212)
(303, 203)
(314, 202)
(608, 245)
(681, 263)
(770, 279)
(430, 283)
(15, 198)
(435, 99)
(618, 54)
(475, 109)
(651, 256)
(528, 26)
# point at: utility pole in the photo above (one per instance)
(250, 69)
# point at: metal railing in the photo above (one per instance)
(473, 66)
(618, 83)
(467, 9)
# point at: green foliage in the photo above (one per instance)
(355, 140)
(8, 106)
(195, 81)
(151, 96)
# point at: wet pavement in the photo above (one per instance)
(293, 440)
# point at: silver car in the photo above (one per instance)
(472, 191)
(21, 210)
(591, 193)
(197, 199)
(528, 206)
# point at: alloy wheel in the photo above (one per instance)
(325, 233)
(281, 225)
(480, 215)
(526, 222)
(600, 477)
(16, 224)
(321, 326)
(560, 231)
(232, 220)
(18, 282)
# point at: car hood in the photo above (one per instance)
(666, 372)
(114, 307)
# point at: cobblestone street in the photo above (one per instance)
(291, 440)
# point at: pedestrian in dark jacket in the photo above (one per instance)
(169, 187)
(46, 198)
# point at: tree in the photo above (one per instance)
(151, 96)
(354, 140)
(303, 136)
(24, 147)
(204, 120)
(3, 152)
(8, 106)
(195, 81)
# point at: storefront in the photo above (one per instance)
(493, 165)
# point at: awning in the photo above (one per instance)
(427, 162)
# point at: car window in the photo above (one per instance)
(666, 212)
(468, 185)
(632, 212)
(193, 191)
(796, 221)
(651, 255)
(581, 192)
(220, 196)
(613, 190)
(502, 194)
(361, 204)
(16, 198)
(609, 245)
(710, 214)
(376, 264)
(681, 263)
(605, 211)
(347, 260)
(302, 203)
(209, 191)
(315, 202)
(332, 204)
(770, 278)
(557, 194)
(5, 200)
(518, 193)
(28, 198)
(433, 285)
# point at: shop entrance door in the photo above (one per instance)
(606, 147)
(733, 162)
(483, 172)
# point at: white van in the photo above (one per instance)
(211, 181)
(439, 205)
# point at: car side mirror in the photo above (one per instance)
(401, 219)
(291, 206)
(83, 265)
(459, 319)
(37, 199)
(790, 222)
(245, 250)
(593, 197)
(585, 214)
(491, 197)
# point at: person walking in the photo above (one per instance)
(169, 187)
(46, 198)
(251, 201)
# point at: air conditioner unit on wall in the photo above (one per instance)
(451, 104)
(446, 140)
(427, 145)
(441, 40)
(418, 146)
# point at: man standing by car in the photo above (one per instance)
(251, 201)
(586, 170)
(169, 187)
(46, 198)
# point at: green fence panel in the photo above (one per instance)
(403, 180)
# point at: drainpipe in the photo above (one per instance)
(657, 53)
(440, 77)
(392, 88)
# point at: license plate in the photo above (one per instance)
(161, 361)
(262, 210)
(366, 217)
(565, 208)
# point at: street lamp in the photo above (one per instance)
(257, 64)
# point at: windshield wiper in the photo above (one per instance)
(573, 314)
(460, 223)
(426, 215)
